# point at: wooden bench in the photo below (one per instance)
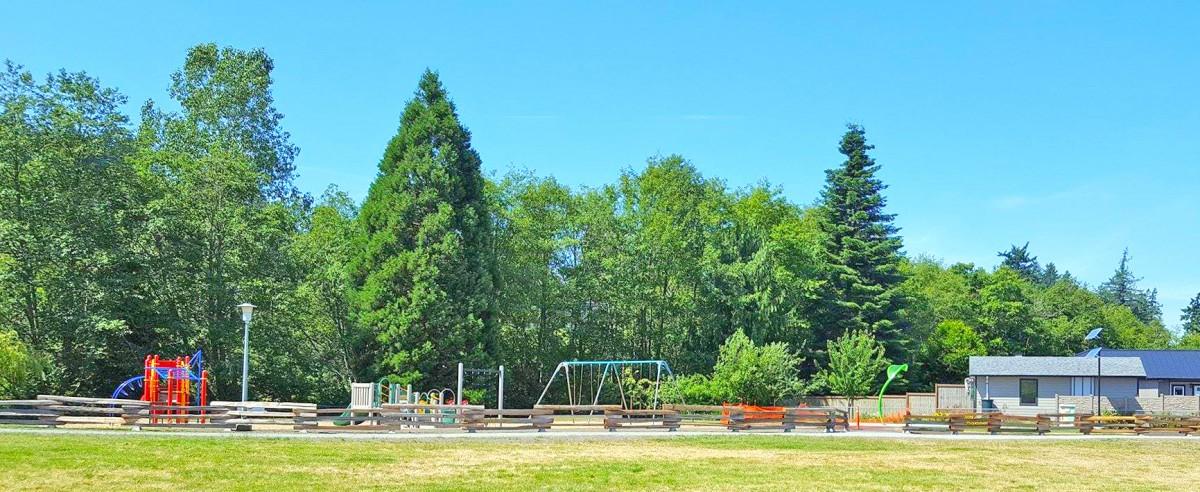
(831, 419)
(1000, 423)
(483, 419)
(916, 424)
(741, 419)
(577, 415)
(28, 412)
(700, 415)
(415, 415)
(251, 414)
(91, 411)
(390, 418)
(642, 419)
(183, 417)
(1110, 424)
(1174, 424)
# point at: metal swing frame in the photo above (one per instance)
(609, 366)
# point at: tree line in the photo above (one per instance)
(120, 238)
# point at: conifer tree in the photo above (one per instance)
(1191, 316)
(423, 268)
(1022, 262)
(1122, 289)
(1050, 275)
(863, 248)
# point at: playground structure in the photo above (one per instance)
(176, 384)
(385, 392)
(578, 374)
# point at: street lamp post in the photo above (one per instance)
(247, 313)
(1094, 335)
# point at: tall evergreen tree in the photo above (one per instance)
(424, 268)
(1122, 289)
(1191, 316)
(1050, 274)
(1022, 262)
(863, 248)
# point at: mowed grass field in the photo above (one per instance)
(736, 462)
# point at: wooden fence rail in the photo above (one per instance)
(642, 419)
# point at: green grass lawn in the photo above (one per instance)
(125, 462)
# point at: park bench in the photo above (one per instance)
(916, 424)
(699, 415)
(742, 419)
(250, 415)
(175, 416)
(388, 418)
(417, 415)
(1000, 423)
(483, 419)
(28, 412)
(1111, 424)
(827, 419)
(642, 419)
(577, 415)
(93, 411)
(1173, 424)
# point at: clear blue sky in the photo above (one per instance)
(1074, 126)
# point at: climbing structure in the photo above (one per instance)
(178, 382)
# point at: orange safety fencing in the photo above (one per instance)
(752, 413)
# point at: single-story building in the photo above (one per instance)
(1129, 381)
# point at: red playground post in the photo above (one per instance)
(175, 384)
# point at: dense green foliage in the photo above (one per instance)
(423, 263)
(766, 374)
(120, 239)
(863, 250)
(855, 362)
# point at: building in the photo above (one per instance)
(1130, 381)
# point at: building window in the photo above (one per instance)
(1029, 391)
(1178, 390)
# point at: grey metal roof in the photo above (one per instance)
(1161, 364)
(1055, 366)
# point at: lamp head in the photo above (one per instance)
(247, 311)
(1094, 334)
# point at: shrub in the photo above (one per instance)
(855, 362)
(19, 367)
(758, 375)
(694, 389)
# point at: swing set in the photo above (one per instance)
(591, 375)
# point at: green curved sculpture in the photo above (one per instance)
(892, 371)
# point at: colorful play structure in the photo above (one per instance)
(377, 394)
(178, 382)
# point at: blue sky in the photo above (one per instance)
(1074, 126)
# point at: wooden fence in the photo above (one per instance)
(998, 423)
(52, 411)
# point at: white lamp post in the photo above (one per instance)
(1094, 336)
(247, 313)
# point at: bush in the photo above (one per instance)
(856, 361)
(758, 375)
(19, 367)
(694, 389)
